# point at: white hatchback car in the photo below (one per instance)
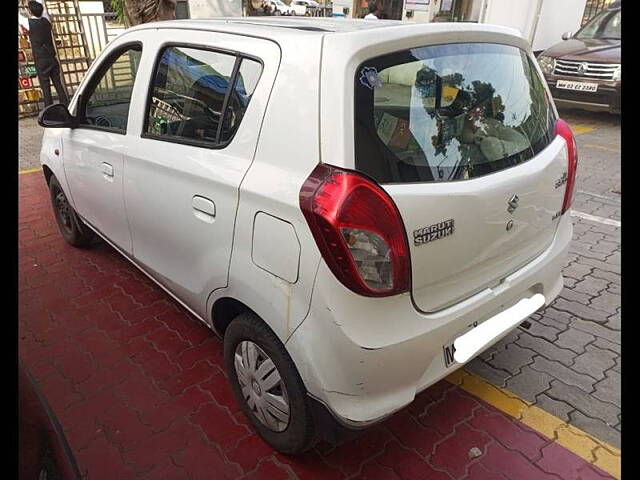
(281, 8)
(417, 212)
(299, 7)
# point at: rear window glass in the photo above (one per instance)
(448, 112)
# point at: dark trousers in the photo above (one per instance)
(49, 69)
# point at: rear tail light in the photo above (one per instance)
(562, 128)
(358, 230)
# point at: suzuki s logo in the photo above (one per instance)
(513, 204)
(582, 69)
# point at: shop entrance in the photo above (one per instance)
(458, 11)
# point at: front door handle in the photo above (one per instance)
(107, 169)
(203, 208)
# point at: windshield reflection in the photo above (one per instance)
(606, 26)
(452, 112)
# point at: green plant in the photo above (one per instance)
(118, 8)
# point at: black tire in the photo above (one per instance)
(49, 470)
(299, 434)
(71, 227)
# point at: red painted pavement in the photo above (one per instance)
(139, 388)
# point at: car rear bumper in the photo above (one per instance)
(365, 358)
(605, 99)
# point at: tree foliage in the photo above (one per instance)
(135, 12)
(118, 8)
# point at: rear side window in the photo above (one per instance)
(199, 96)
(243, 88)
(448, 112)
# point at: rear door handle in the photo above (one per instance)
(107, 169)
(203, 208)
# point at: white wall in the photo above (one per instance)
(555, 21)
(215, 8)
(555, 18)
(517, 14)
(422, 15)
(91, 6)
(476, 10)
(338, 5)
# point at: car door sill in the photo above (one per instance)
(139, 267)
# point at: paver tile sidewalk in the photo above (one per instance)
(139, 388)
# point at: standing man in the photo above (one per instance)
(44, 53)
(373, 11)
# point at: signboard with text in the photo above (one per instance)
(25, 82)
(417, 5)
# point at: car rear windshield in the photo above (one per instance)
(449, 112)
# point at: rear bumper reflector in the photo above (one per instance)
(472, 342)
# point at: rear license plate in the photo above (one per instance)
(578, 86)
(448, 349)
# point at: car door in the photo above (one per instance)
(93, 151)
(197, 137)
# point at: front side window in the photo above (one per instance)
(448, 112)
(197, 96)
(107, 106)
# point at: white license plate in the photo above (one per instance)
(448, 349)
(579, 86)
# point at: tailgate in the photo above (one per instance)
(462, 137)
(487, 242)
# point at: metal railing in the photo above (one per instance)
(593, 7)
(70, 44)
(100, 29)
(311, 12)
(320, 11)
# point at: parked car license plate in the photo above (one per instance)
(579, 86)
(448, 349)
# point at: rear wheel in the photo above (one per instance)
(267, 385)
(71, 227)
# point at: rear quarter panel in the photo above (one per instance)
(287, 152)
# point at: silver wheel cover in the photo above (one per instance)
(261, 385)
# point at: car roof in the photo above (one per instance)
(274, 25)
(286, 29)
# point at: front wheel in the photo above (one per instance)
(71, 227)
(267, 385)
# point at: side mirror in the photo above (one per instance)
(56, 116)
(567, 35)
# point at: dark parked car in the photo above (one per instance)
(584, 71)
(43, 449)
